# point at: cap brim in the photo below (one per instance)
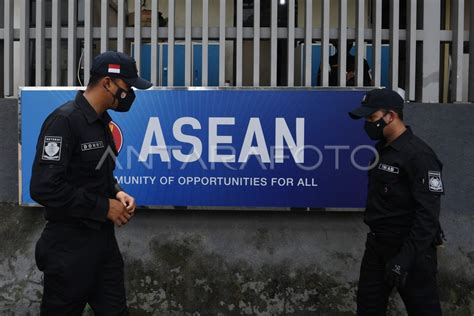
(361, 112)
(138, 83)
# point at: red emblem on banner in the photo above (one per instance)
(117, 134)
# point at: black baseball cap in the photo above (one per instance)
(375, 100)
(119, 65)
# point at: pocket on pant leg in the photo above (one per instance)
(425, 266)
(40, 254)
(69, 269)
(44, 252)
(430, 259)
(43, 247)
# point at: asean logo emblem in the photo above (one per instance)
(117, 134)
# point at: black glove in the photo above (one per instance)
(396, 273)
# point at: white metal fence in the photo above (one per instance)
(56, 41)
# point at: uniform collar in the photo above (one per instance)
(88, 110)
(399, 142)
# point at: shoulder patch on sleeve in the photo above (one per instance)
(52, 148)
(435, 182)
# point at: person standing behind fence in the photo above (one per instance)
(72, 178)
(333, 76)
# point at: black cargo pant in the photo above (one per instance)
(81, 265)
(420, 295)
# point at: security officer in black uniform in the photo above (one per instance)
(402, 211)
(73, 179)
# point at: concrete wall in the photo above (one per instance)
(251, 263)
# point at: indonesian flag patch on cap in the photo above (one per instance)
(114, 68)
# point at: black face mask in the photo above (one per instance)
(375, 129)
(125, 101)
(125, 98)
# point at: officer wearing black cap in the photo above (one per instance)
(403, 206)
(72, 178)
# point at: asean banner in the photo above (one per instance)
(256, 148)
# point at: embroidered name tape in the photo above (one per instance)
(52, 148)
(92, 145)
(389, 168)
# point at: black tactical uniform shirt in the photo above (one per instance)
(404, 193)
(72, 172)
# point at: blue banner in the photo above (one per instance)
(255, 148)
